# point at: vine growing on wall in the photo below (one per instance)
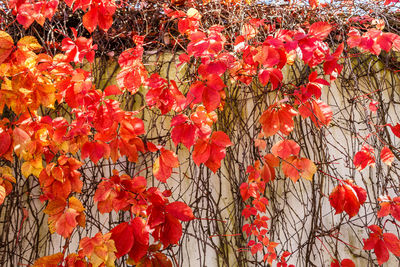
(100, 140)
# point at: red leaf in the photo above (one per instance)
(354, 38)
(162, 167)
(212, 150)
(381, 252)
(123, 238)
(392, 243)
(395, 129)
(201, 151)
(5, 142)
(211, 99)
(221, 139)
(267, 56)
(180, 210)
(171, 231)
(320, 112)
(347, 197)
(66, 223)
(320, 30)
(99, 14)
(183, 131)
(49, 261)
(347, 263)
(278, 118)
(389, 206)
(364, 158)
(386, 156)
(337, 199)
(343, 263)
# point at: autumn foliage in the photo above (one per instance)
(38, 79)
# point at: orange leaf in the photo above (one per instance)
(28, 43)
(49, 261)
(295, 167)
(6, 46)
(285, 148)
(276, 119)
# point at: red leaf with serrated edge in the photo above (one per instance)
(319, 112)
(270, 122)
(354, 38)
(381, 243)
(66, 223)
(180, 210)
(386, 156)
(364, 158)
(256, 247)
(207, 91)
(248, 190)
(360, 192)
(285, 148)
(162, 167)
(347, 197)
(212, 150)
(123, 238)
(351, 203)
(211, 99)
(171, 231)
(270, 75)
(79, 48)
(267, 56)
(141, 236)
(392, 243)
(99, 14)
(201, 151)
(381, 252)
(389, 206)
(183, 131)
(276, 119)
(320, 30)
(95, 150)
(221, 139)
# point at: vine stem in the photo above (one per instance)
(330, 255)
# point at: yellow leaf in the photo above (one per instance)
(33, 166)
(2, 194)
(29, 43)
